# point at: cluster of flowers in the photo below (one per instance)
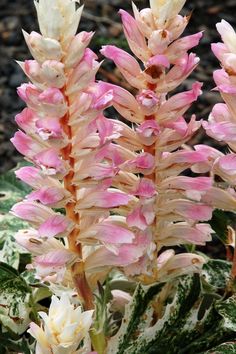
(120, 183)
(222, 122)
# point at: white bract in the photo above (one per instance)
(63, 328)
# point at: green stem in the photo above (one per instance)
(98, 341)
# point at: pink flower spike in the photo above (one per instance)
(54, 226)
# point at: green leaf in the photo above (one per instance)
(15, 300)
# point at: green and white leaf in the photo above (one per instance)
(15, 344)
(227, 311)
(15, 300)
(180, 317)
(225, 348)
(216, 273)
(11, 192)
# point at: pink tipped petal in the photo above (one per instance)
(102, 257)
(148, 101)
(187, 183)
(128, 66)
(137, 219)
(148, 131)
(179, 264)
(145, 188)
(182, 45)
(49, 128)
(134, 37)
(228, 163)
(159, 60)
(26, 119)
(220, 199)
(109, 233)
(181, 233)
(179, 103)
(104, 199)
(125, 103)
(47, 195)
(194, 211)
(144, 163)
(25, 144)
(55, 225)
(32, 212)
(219, 49)
(50, 160)
(228, 35)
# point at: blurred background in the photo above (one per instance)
(100, 16)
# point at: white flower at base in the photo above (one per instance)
(63, 328)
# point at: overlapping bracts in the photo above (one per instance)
(222, 121)
(169, 209)
(122, 188)
(70, 143)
